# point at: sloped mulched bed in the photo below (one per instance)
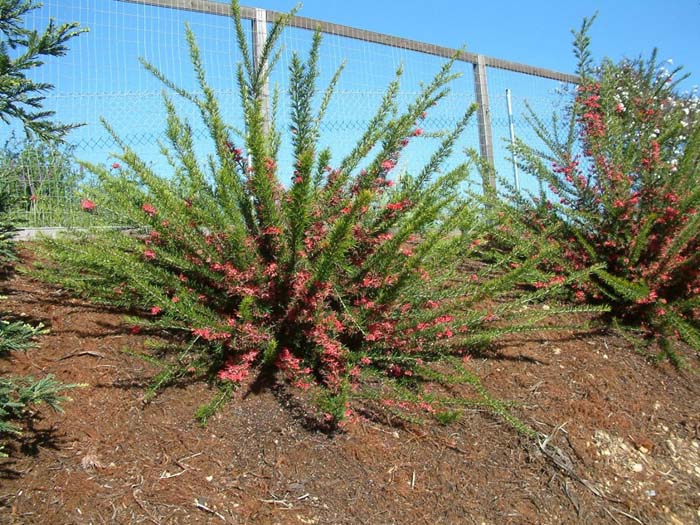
(624, 447)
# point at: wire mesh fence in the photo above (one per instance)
(101, 78)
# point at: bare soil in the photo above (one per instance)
(624, 440)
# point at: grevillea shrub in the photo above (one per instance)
(327, 274)
(622, 185)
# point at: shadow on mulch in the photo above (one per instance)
(624, 438)
(33, 440)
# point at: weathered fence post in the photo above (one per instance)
(484, 119)
(259, 24)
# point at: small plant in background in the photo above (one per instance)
(621, 185)
(330, 275)
(42, 182)
(7, 230)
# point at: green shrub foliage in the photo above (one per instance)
(19, 395)
(22, 50)
(322, 273)
(621, 186)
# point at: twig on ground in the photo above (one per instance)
(200, 505)
(277, 501)
(143, 507)
(168, 475)
(183, 466)
(610, 514)
(630, 516)
(78, 354)
(574, 502)
(563, 462)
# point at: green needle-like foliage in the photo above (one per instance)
(620, 186)
(21, 50)
(323, 274)
(19, 394)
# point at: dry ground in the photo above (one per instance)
(625, 441)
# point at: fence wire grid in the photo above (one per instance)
(101, 78)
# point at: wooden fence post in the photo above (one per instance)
(484, 120)
(259, 25)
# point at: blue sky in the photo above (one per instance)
(536, 32)
(101, 76)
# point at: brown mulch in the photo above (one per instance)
(624, 447)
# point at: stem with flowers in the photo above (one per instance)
(324, 274)
(621, 186)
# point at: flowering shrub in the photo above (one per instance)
(323, 273)
(623, 189)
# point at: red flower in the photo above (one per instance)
(33, 198)
(406, 251)
(423, 274)
(237, 372)
(155, 310)
(234, 373)
(149, 254)
(149, 209)
(272, 230)
(446, 334)
(371, 282)
(209, 335)
(292, 367)
(87, 205)
(397, 206)
(417, 132)
(116, 166)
